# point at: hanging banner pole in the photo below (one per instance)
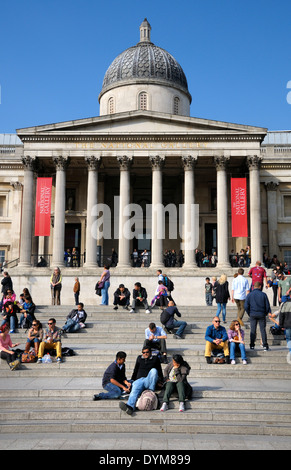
(239, 213)
(43, 207)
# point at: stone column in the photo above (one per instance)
(271, 187)
(222, 212)
(92, 200)
(253, 162)
(157, 163)
(61, 164)
(124, 201)
(190, 229)
(27, 212)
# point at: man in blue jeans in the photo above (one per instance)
(258, 307)
(146, 373)
(169, 315)
(114, 379)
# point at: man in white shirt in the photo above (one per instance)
(155, 338)
(239, 292)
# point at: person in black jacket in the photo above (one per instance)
(121, 297)
(145, 375)
(139, 296)
(75, 320)
(258, 307)
(114, 379)
(6, 282)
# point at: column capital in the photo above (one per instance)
(29, 162)
(125, 162)
(254, 162)
(157, 161)
(189, 162)
(93, 162)
(271, 185)
(61, 162)
(221, 162)
(17, 186)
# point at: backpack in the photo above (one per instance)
(147, 401)
(169, 284)
(29, 356)
(164, 317)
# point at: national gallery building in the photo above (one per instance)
(144, 151)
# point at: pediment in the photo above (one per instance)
(140, 122)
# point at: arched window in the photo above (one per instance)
(111, 105)
(176, 105)
(143, 101)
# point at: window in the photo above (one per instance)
(287, 257)
(3, 206)
(287, 206)
(176, 105)
(111, 105)
(143, 101)
(2, 256)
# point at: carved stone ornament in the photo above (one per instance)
(61, 163)
(93, 162)
(29, 163)
(254, 162)
(221, 162)
(271, 185)
(157, 162)
(17, 186)
(125, 162)
(189, 162)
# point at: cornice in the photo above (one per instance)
(142, 138)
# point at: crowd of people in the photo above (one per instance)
(221, 345)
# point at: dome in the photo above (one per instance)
(145, 63)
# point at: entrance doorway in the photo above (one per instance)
(210, 238)
(73, 238)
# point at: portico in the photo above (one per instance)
(139, 156)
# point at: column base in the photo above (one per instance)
(223, 266)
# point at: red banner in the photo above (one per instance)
(43, 207)
(239, 207)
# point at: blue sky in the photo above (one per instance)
(236, 56)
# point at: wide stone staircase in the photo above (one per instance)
(252, 399)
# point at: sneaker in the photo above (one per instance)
(164, 407)
(266, 348)
(252, 347)
(181, 406)
(15, 364)
(59, 359)
(12, 331)
(244, 362)
(232, 361)
(132, 311)
(208, 360)
(124, 407)
(227, 359)
(177, 337)
(39, 361)
(148, 311)
(96, 397)
(115, 308)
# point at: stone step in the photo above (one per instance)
(238, 371)
(232, 404)
(149, 425)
